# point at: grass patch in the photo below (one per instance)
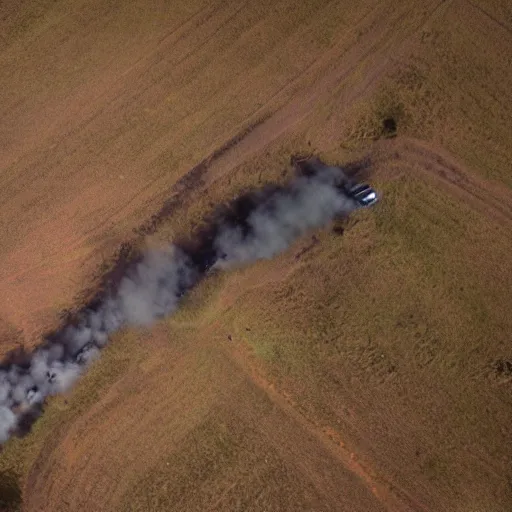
(383, 117)
(409, 299)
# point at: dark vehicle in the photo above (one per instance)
(362, 193)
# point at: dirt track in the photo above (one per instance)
(121, 122)
(86, 132)
(222, 435)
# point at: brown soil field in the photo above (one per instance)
(369, 366)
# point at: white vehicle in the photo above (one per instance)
(363, 194)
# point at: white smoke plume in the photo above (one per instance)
(153, 287)
(309, 202)
(7, 423)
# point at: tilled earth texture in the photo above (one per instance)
(366, 368)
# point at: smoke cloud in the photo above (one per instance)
(309, 202)
(259, 226)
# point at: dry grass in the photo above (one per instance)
(381, 346)
(390, 334)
